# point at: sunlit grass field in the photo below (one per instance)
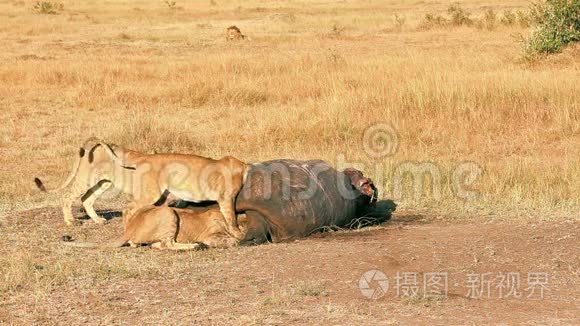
(311, 78)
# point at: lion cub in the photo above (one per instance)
(158, 227)
(171, 228)
(181, 229)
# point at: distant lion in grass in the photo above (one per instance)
(148, 178)
(233, 33)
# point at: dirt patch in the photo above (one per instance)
(314, 280)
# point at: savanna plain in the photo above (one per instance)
(370, 84)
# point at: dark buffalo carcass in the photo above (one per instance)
(296, 198)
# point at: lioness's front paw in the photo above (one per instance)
(73, 222)
(100, 221)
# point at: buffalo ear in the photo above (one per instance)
(359, 181)
(354, 175)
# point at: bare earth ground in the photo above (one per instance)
(311, 280)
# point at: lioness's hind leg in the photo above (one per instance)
(75, 191)
(91, 196)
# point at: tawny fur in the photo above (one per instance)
(175, 229)
(233, 33)
(148, 176)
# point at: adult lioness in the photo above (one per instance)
(149, 177)
(175, 229)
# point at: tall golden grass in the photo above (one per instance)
(311, 80)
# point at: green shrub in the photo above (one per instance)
(48, 7)
(557, 24)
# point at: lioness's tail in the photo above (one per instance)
(80, 244)
(73, 173)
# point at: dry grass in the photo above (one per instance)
(312, 79)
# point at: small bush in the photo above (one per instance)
(399, 22)
(170, 4)
(489, 19)
(557, 24)
(48, 7)
(508, 18)
(124, 36)
(459, 16)
(335, 58)
(336, 30)
(523, 18)
(431, 21)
